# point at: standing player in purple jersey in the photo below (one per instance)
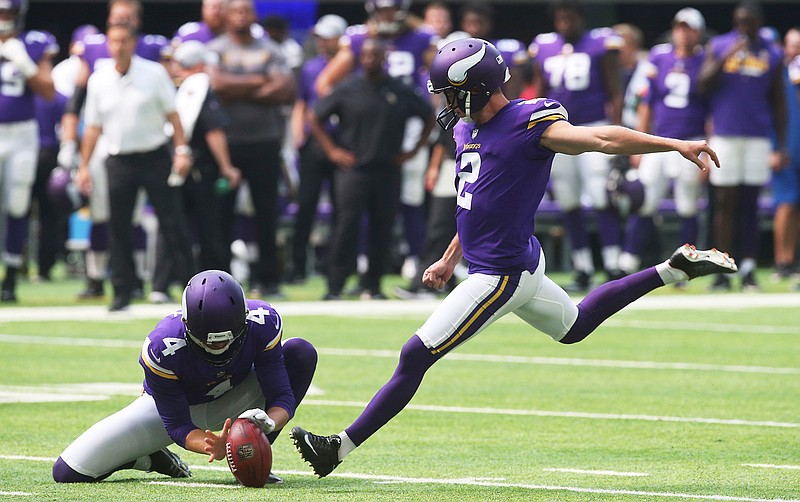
(218, 357)
(96, 54)
(743, 75)
(672, 107)
(25, 65)
(504, 152)
(580, 68)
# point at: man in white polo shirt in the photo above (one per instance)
(129, 102)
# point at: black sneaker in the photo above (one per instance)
(321, 452)
(94, 289)
(368, 294)
(749, 282)
(581, 284)
(697, 263)
(721, 283)
(165, 462)
(8, 296)
(122, 301)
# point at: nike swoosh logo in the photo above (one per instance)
(305, 438)
(457, 73)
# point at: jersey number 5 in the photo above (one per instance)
(467, 174)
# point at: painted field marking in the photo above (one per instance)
(566, 414)
(566, 361)
(595, 472)
(376, 478)
(97, 391)
(444, 481)
(773, 466)
(193, 485)
(732, 302)
(393, 354)
(15, 494)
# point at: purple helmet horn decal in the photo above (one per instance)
(457, 73)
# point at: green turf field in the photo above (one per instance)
(682, 403)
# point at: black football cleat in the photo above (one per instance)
(321, 452)
(697, 263)
(581, 284)
(165, 462)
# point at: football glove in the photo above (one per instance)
(68, 155)
(14, 51)
(260, 418)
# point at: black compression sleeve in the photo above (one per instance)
(75, 103)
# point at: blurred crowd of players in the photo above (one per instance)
(272, 160)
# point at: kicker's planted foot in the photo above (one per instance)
(321, 452)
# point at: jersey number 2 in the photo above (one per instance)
(467, 174)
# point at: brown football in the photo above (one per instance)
(249, 453)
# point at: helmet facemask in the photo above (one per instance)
(218, 356)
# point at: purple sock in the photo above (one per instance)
(62, 473)
(639, 233)
(414, 228)
(415, 359)
(689, 230)
(244, 228)
(747, 228)
(139, 238)
(576, 229)
(609, 228)
(609, 299)
(16, 234)
(98, 237)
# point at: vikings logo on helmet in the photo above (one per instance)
(468, 71)
(15, 24)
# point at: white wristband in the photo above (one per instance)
(183, 150)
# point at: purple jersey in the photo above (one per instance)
(740, 105)
(405, 53)
(151, 47)
(501, 176)
(48, 116)
(177, 377)
(678, 108)
(199, 31)
(16, 97)
(573, 74)
(308, 75)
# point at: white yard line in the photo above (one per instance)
(592, 472)
(735, 301)
(773, 466)
(448, 481)
(455, 356)
(565, 414)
